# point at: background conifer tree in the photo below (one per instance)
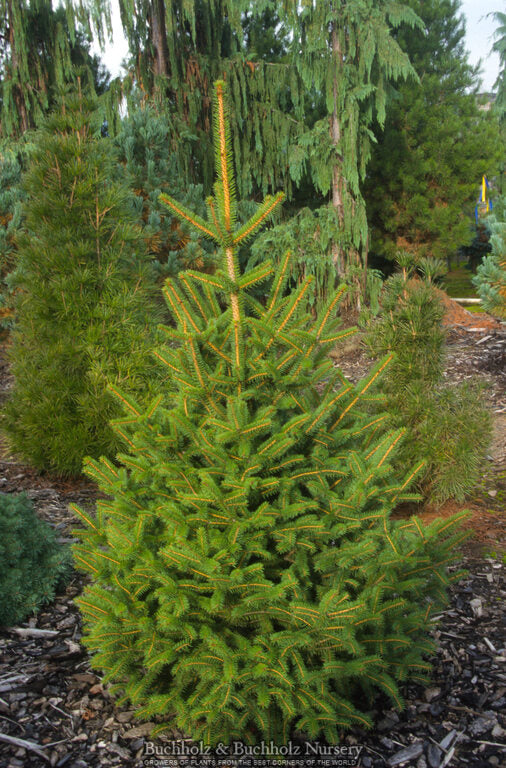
(179, 47)
(350, 57)
(247, 578)
(84, 313)
(490, 279)
(40, 49)
(421, 185)
(150, 165)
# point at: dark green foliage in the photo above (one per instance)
(346, 54)
(247, 577)
(149, 164)
(265, 37)
(422, 182)
(410, 325)
(447, 427)
(308, 236)
(40, 53)
(450, 427)
(85, 308)
(179, 47)
(31, 561)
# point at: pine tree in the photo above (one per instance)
(84, 309)
(246, 576)
(448, 428)
(421, 184)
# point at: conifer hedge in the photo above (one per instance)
(247, 578)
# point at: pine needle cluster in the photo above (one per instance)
(447, 427)
(247, 578)
(84, 315)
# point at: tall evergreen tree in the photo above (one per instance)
(246, 575)
(345, 50)
(422, 182)
(39, 51)
(84, 309)
(500, 48)
(178, 48)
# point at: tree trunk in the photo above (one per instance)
(159, 38)
(337, 176)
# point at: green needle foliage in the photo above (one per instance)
(31, 561)
(490, 279)
(420, 188)
(246, 576)
(84, 312)
(447, 427)
(149, 166)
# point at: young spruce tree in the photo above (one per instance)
(246, 576)
(84, 314)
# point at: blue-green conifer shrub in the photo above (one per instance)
(490, 278)
(31, 560)
(246, 576)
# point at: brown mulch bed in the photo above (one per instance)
(457, 316)
(50, 697)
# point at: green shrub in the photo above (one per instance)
(490, 278)
(31, 561)
(447, 426)
(246, 576)
(85, 310)
(454, 438)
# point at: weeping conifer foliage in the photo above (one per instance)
(246, 575)
(346, 52)
(39, 49)
(178, 48)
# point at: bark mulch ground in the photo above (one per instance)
(50, 697)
